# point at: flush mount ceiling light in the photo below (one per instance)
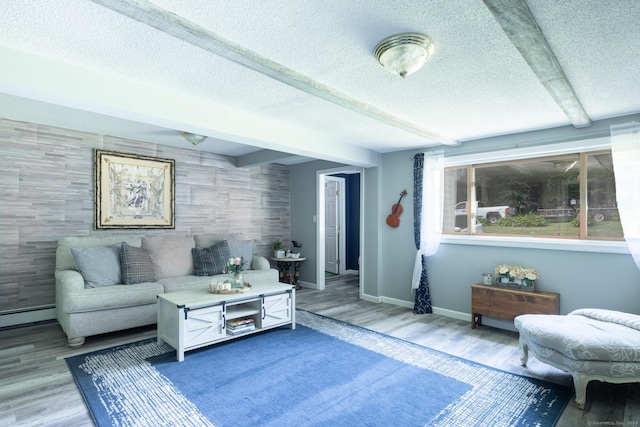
(193, 138)
(405, 53)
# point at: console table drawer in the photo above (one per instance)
(504, 303)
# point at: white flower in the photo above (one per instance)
(517, 272)
(503, 270)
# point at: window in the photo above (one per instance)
(603, 220)
(564, 196)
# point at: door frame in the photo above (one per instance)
(320, 180)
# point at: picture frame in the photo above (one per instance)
(133, 191)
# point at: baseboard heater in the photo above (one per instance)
(27, 315)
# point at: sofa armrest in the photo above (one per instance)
(260, 263)
(69, 281)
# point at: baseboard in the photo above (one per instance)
(309, 285)
(24, 317)
(371, 298)
(436, 310)
(453, 314)
(395, 301)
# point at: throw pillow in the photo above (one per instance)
(170, 254)
(208, 240)
(136, 265)
(210, 261)
(244, 249)
(98, 266)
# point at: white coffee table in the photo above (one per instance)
(193, 319)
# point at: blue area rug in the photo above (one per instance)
(323, 373)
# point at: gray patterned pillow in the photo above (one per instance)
(136, 265)
(212, 260)
(98, 266)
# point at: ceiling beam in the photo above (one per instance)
(81, 89)
(517, 21)
(264, 157)
(185, 30)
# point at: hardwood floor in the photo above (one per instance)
(36, 388)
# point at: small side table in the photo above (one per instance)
(284, 267)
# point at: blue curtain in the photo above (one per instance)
(423, 294)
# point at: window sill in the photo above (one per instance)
(614, 247)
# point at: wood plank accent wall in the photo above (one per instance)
(46, 193)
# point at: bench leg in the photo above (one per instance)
(580, 382)
(524, 357)
(75, 342)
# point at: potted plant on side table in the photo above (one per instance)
(278, 249)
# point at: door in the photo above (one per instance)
(204, 325)
(276, 309)
(331, 226)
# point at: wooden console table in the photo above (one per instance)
(504, 303)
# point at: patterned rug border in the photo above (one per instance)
(491, 387)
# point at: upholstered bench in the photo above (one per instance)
(590, 344)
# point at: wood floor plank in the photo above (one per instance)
(37, 389)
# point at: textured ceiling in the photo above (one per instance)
(81, 64)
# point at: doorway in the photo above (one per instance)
(339, 223)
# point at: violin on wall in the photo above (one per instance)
(396, 210)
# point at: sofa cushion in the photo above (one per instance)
(170, 254)
(64, 259)
(136, 265)
(110, 297)
(212, 260)
(244, 249)
(188, 283)
(610, 316)
(208, 240)
(98, 266)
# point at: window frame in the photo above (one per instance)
(582, 244)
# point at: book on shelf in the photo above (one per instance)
(239, 331)
(243, 321)
(240, 326)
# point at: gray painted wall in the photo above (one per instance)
(304, 202)
(46, 192)
(584, 279)
(373, 247)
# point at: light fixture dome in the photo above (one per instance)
(193, 138)
(405, 53)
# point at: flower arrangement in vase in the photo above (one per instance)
(234, 266)
(515, 276)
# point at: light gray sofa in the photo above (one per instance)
(91, 297)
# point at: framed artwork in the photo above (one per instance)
(133, 191)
